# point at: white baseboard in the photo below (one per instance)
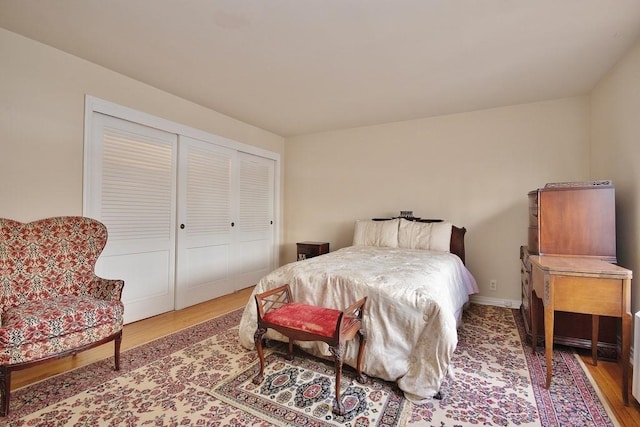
(498, 302)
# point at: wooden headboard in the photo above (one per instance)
(457, 236)
(457, 241)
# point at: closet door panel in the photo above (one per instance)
(205, 214)
(255, 228)
(132, 191)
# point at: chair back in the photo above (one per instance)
(49, 257)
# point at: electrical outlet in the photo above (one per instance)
(493, 284)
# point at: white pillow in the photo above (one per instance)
(435, 236)
(376, 233)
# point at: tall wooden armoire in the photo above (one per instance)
(571, 219)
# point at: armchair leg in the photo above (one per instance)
(116, 355)
(5, 384)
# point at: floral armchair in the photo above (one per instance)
(51, 302)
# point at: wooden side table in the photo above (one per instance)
(311, 249)
(582, 285)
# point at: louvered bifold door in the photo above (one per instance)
(205, 222)
(255, 228)
(132, 190)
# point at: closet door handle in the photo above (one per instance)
(181, 226)
(233, 224)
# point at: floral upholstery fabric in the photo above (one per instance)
(51, 301)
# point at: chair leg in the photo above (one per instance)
(338, 353)
(116, 355)
(362, 378)
(257, 339)
(5, 385)
(290, 351)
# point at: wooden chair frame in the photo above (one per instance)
(348, 325)
(6, 370)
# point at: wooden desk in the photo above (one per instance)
(582, 285)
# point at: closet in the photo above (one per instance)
(225, 216)
(188, 219)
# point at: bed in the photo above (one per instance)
(417, 287)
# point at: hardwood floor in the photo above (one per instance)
(607, 374)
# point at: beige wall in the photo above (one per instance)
(615, 152)
(41, 124)
(474, 169)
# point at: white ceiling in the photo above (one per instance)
(302, 66)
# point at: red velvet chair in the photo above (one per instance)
(51, 303)
(304, 322)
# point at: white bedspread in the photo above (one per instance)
(413, 295)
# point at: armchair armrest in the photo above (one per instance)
(107, 289)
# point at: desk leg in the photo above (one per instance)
(626, 344)
(534, 321)
(595, 327)
(548, 341)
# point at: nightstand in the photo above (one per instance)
(311, 249)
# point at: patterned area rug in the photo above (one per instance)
(201, 376)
